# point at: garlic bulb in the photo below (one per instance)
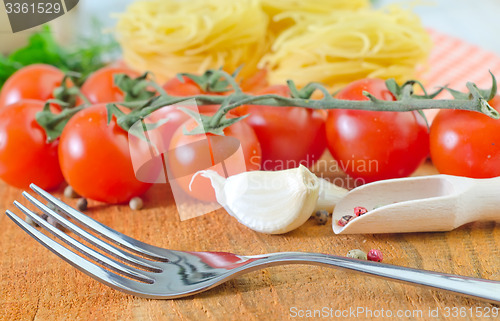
(271, 202)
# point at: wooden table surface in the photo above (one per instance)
(37, 285)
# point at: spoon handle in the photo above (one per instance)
(481, 201)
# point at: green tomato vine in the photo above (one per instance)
(144, 96)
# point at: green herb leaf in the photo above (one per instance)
(86, 56)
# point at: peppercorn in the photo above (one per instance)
(136, 203)
(357, 254)
(359, 210)
(51, 206)
(82, 204)
(52, 221)
(344, 220)
(321, 217)
(30, 221)
(375, 255)
(56, 209)
(69, 192)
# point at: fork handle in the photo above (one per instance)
(483, 289)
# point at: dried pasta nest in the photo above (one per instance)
(169, 36)
(343, 46)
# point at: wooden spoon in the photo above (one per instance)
(419, 204)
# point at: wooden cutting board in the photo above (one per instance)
(36, 285)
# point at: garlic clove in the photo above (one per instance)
(268, 202)
(329, 195)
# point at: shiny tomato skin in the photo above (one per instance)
(36, 82)
(25, 155)
(187, 88)
(373, 145)
(466, 143)
(149, 163)
(100, 88)
(175, 119)
(189, 154)
(256, 82)
(95, 158)
(289, 136)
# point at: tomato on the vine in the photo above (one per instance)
(25, 155)
(289, 136)
(95, 158)
(256, 82)
(188, 87)
(36, 82)
(375, 145)
(100, 88)
(182, 88)
(173, 118)
(189, 154)
(466, 143)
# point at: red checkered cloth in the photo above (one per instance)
(453, 62)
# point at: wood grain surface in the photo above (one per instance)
(37, 285)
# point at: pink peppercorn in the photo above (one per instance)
(375, 255)
(344, 220)
(359, 210)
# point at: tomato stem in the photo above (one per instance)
(408, 104)
(406, 100)
(485, 108)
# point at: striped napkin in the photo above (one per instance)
(453, 62)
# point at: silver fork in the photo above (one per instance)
(148, 271)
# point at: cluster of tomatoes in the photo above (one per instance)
(92, 155)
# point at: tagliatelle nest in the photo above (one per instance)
(341, 47)
(330, 41)
(170, 36)
(276, 8)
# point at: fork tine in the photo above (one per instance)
(85, 250)
(91, 269)
(147, 250)
(116, 252)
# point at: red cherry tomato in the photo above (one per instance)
(95, 158)
(32, 82)
(100, 88)
(376, 145)
(188, 87)
(25, 155)
(189, 154)
(174, 118)
(466, 143)
(289, 136)
(164, 122)
(256, 82)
